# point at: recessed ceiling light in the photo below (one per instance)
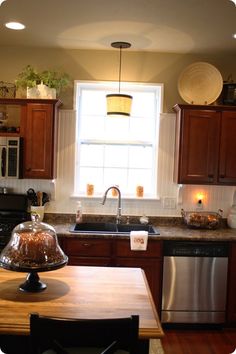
(234, 1)
(15, 25)
(1, 1)
(234, 35)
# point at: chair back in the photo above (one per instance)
(61, 333)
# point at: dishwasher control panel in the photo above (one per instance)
(195, 249)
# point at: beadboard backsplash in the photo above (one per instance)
(171, 197)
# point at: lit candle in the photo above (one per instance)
(139, 191)
(90, 189)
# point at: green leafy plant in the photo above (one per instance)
(29, 77)
(55, 79)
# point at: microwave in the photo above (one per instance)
(10, 157)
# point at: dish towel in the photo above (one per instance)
(138, 240)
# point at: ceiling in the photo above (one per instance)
(180, 26)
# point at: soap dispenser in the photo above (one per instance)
(79, 213)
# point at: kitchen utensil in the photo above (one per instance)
(40, 198)
(32, 196)
(202, 220)
(45, 198)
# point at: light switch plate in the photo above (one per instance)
(169, 203)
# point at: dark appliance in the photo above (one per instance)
(13, 211)
(229, 94)
(194, 282)
(10, 157)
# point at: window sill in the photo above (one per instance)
(128, 198)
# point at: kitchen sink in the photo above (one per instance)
(94, 227)
(111, 228)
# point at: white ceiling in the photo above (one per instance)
(181, 26)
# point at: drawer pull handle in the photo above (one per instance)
(86, 244)
(222, 176)
(210, 175)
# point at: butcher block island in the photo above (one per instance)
(80, 292)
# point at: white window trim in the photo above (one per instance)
(125, 85)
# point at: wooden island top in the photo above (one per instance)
(79, 292)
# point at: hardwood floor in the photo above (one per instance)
(221, 341)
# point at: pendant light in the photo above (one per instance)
(119, 104)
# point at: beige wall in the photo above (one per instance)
(103, 65)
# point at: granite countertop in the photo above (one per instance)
(169, 228)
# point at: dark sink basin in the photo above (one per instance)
(126, 228)
(94, 227)
(111, 228)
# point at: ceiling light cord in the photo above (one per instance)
(120, 67)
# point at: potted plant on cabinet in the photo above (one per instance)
(46, 84)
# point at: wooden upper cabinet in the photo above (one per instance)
(205, 145)
(39, 141)
(227, 162)
(38, 128)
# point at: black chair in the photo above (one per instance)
(65, 335)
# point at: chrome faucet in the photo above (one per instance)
(118, 214)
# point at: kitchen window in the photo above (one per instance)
(120, 151)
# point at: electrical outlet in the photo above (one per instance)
(169, 203)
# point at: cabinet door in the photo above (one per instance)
(153, 270)
(150, 261)
(39, 141)
(227, 162)
(198, 147)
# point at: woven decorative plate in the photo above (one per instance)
(200, 83)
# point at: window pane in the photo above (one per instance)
(116, 156)
(116, 128)
(143, 104)
(91, 155)
(140, 177)
(140, 157)
(91, 127)
(90, 176)
(115, 176)
(142, 129)
(92, 102)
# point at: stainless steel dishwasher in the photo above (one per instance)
(194, 282)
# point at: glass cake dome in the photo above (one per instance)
(33, 247)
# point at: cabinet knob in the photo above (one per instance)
(210, 175)
(222, 176)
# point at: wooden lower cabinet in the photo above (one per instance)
(150, 261)
(231, 299)
(88, 252)
(117, 253)
(152, 269)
